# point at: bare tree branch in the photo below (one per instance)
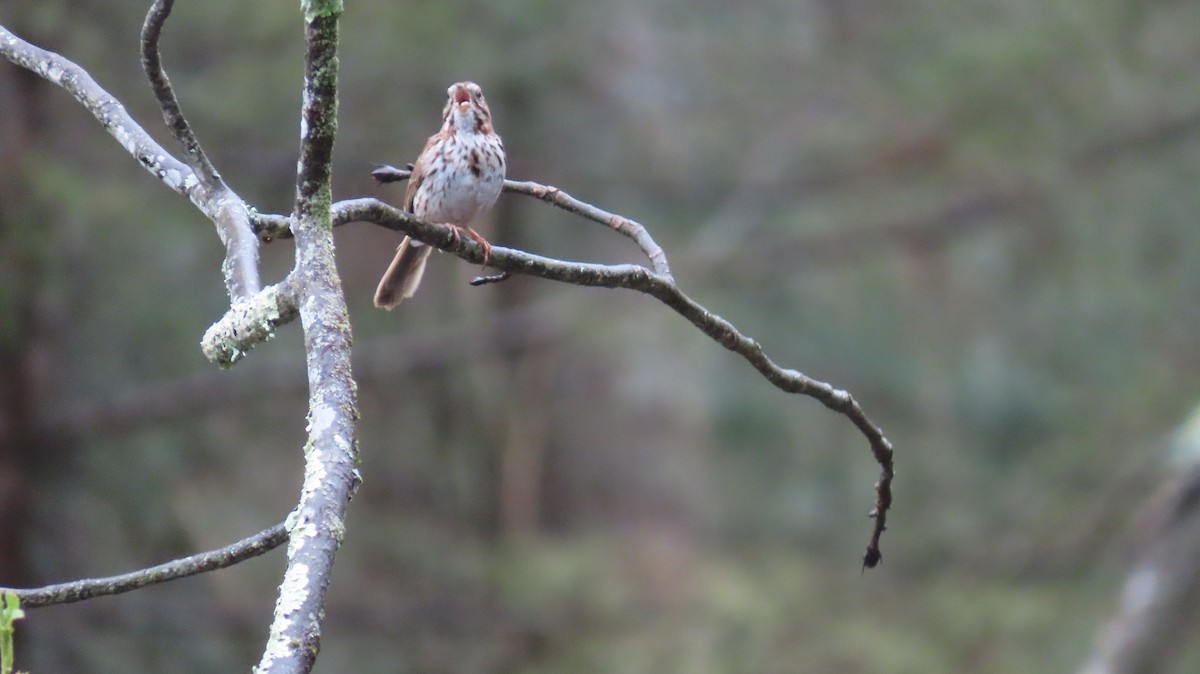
(330, 477)
(106, 109)
(227, 210)
(194, 155)
(222, 206)
(658, 285)
(78, 590)
(663, 288)
(313, 292)
(556, 197)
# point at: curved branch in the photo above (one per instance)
(663, 288)
(107, 110)
(556, 197)
(225, 208)
(227, 211)
(250, 322)
(172, 115)
(79, 590)
(630, 228)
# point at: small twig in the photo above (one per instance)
(65, 593)
(494, 278)
(385, 173)
(630, 228)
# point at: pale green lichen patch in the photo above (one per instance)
(315, 477)
(337, 529)
(293, 593)
(245, 325)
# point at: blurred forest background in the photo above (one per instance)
(980, 218)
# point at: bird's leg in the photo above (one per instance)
(487, 247)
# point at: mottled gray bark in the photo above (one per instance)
(331, 453)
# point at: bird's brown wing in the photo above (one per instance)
(418, 175)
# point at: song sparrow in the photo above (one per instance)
(455, 180)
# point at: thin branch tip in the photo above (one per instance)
(180, 128)
(80, 590)
(657, 282)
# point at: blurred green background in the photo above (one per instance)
(980, 218)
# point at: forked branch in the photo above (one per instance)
(172, 114)
(225, 208)
(213, 198)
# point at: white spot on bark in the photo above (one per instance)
(307, 530)
(321, 419)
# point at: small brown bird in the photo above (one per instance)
(456, 179)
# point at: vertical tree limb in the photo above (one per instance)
(330, 476)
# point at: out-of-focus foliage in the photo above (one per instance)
(980, 218)
(10, 612)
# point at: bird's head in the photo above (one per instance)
(466, 110)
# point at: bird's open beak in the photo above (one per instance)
(461, 97)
